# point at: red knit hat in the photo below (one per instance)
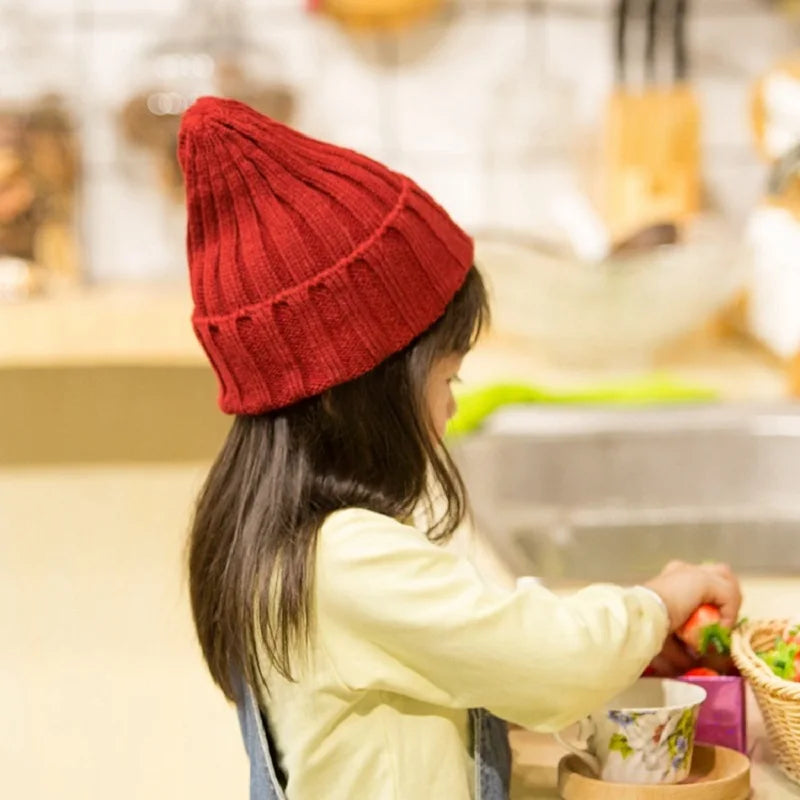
(310, 264)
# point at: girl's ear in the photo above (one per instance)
(326, 402)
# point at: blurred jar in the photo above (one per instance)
(206, 53)
(376, 14)
(39, 160)
(773, 308)
(775, 109)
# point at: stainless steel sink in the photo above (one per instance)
(585, 494)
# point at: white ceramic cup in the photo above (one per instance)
(644, 734)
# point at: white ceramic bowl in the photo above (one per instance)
(618, 311)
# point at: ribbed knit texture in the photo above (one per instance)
(310, 264)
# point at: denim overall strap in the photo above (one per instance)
(492, 756)
(490, 742)
(264, 783)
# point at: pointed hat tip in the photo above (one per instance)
(204, 110)
(208, 110)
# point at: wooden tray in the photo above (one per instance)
(717, 774)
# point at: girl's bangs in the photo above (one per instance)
(467, 315)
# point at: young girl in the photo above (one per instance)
(336, 300)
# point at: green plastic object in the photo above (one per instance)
(476, 406)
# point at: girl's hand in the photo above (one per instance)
(683, 587)
(673, 660)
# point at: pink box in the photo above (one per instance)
(723, 716)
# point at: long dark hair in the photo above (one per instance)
(367, 443)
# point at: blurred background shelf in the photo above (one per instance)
(108, 324)
(147, 326)
(105, 374)
(113, 374)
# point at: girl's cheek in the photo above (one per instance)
(452, 407)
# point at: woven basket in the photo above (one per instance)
(779, 700)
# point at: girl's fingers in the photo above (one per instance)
(662, 667)
(723, 570)
(718, 585)
(725, 593)
(673, 659)
(676, 654)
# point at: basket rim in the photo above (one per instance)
(753, 668)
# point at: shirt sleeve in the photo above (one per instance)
(397, 613)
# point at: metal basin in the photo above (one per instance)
(584, 494)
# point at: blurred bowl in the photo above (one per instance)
(617, 311)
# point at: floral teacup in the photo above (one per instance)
(643, 735)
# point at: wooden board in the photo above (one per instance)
(717, 774)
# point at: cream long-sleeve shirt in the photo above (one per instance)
(407, 637)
